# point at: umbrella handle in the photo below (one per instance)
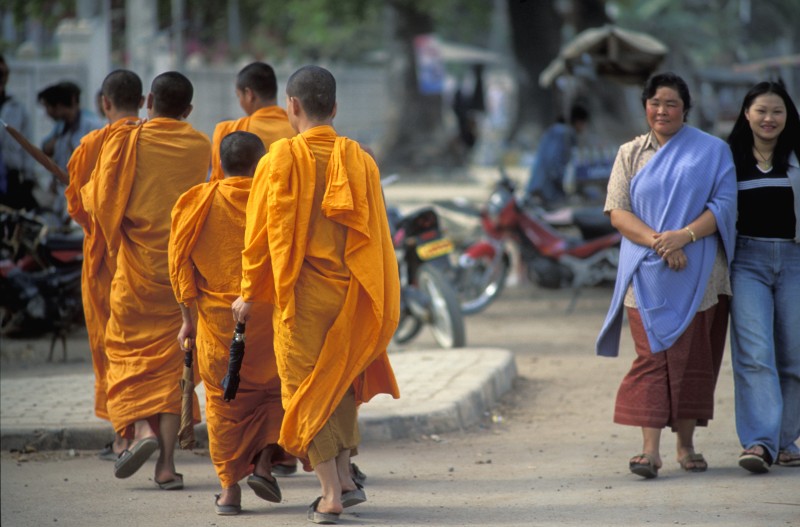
(187, 356)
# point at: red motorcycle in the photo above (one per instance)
(552, 258)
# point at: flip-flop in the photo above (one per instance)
(108, 454)
(356, 474)
(322, 518)
(265, 489)
(173, 484)
(282, 471)
(788, 459)
(132, 460)
(755, 463)
(700, 463)
(647, 470)
(226, 510)
(354, 497)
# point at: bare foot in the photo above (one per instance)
(655, 458)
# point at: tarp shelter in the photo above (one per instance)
(609, 52)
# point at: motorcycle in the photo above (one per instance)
(552, 258)
(426, 295)
(40, 276)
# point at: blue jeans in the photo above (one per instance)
(765, 343)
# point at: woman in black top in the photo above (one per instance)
(765, 279)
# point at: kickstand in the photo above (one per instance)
(576, 292)
(58, 335)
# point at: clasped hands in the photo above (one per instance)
(669, 246)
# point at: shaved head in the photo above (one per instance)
(124, 89)
(315, 88)
(260, 78)
(240, 152)
(172, 94)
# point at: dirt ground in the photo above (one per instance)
(548, 455)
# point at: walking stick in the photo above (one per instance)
(42, 158)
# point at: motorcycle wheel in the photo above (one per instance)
(446, 319)
(408, 328)
(480, 283)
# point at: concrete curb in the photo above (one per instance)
(441, 391)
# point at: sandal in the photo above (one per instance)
(694, 462)
(788, 459)
(756, 463)
(647, 470)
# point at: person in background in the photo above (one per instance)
(765, 277)
(62, 103)
(317, 246)
(546, 181)
(205, 264)
(672, 195)
(16, 167)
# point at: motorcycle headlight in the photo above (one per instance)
(497, 202)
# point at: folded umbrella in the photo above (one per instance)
(231, 381)
(36, 153)
(186, 432)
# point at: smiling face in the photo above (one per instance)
(665, 113)
(767, 117)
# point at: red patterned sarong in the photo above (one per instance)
(677, 383)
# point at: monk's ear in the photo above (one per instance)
(141, 101)
(293, 104)
(106, 104)
(150, 100)
(186, 113)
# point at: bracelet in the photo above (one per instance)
(691, 233)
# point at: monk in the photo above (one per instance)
(205, 264)
(317, 246)
(121, 99)
(257, 91)
(139, 177)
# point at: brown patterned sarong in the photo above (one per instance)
(677, 383)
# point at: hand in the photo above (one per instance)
(241, 310)
(667, 242)
(186, 332)
(677, 260)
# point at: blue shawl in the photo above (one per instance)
(692, 172)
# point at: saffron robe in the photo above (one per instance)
(205, 262)
(317, 229)
(269, 124)
(97, 270)
(139, 177)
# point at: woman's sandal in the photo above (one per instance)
(755, 462)
(694, 462)
(788, 459)
(647, 470)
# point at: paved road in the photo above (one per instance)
(546, 454)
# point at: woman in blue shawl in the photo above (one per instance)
(765, 276)
(672, 195)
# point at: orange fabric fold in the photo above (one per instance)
(269, 124)
(138, 179)
(309, 245)
(95, 274)
(206, 242)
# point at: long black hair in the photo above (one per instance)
(741, 137)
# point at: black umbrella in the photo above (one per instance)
(231, 381)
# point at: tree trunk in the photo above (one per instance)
(416, 138)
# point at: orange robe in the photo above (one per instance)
(317, 237)
(139, 177)
(269, 124)
(205, 264)
(97, 270)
